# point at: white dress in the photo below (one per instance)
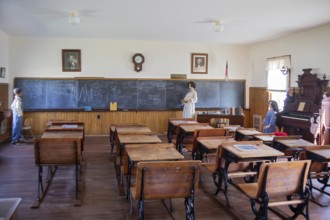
(189, 104)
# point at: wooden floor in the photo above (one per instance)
(101, 197)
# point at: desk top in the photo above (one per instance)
(248, 131)
(153, 152)
(127, 126)
(212, 143)
(322, 152)
(264, 137)
(135, 129)
(138, 138)
(191, 128)
(295, 143)
(65, 127)
(176, 122)
(63, 134)
(260, 151)
(231, 128)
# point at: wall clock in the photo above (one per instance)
(138, 60)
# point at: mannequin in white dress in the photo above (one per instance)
(189, 101)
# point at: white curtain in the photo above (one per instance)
(276, 63)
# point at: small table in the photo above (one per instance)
(244, 151)
(245, 133)
(149, 152)
(185, 130)
(207, 145)
(173, 123)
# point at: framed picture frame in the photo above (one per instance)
(199, 63)
(71, 60)
(2, 72)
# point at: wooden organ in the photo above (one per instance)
(301, 109)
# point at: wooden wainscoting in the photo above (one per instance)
(97, 123)
(5, 124)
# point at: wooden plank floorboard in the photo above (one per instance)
(101, 198)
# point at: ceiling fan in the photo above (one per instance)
(218, 24)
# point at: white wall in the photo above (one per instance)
(41, 57)
(4, 53)
(308, 49)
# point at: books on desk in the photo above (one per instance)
(69, 126)
(245, 147)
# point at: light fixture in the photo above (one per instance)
(218, 26)
(74, 19)
(285, 70)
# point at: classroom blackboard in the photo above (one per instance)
(130, 94)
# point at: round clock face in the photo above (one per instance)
(138, 59)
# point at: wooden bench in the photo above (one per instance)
(53, 152)
(166, 180)
(280, 183)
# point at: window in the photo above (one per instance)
(278, 78)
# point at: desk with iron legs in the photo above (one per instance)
(186, 130)
(320, 154)
(233, 153)
(207, 145)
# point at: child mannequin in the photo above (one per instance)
(17, 109)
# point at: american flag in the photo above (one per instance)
(226, 70)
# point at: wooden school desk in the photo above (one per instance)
(188, 130)
(149, 152)
(54, 152)
(295, 145)
(115, 128)
(174, 122)
(321, 156)
(125, 139)
(206, 145)
(243, 133)
(244, 151)
(265, 138)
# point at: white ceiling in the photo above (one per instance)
(246, 21)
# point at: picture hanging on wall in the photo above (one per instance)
(71, 61)
(199, 63)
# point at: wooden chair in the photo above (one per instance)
(221, 176)
(53, 152)
(27, 127)
(205, 133)
(289, 153)
(166, 180)
(280, 183)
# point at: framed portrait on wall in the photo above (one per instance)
(71, 60)
(199, 63)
